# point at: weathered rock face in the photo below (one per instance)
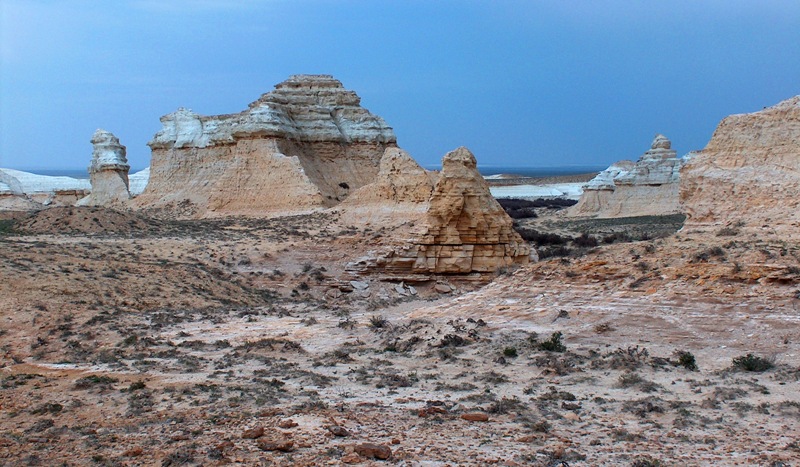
(400, 193)
(646, 188)
(108, 171)
(306, 144)
(462, 231)
(749, 173)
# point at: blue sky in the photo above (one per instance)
(521, 83)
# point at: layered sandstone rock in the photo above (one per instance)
(306, 144)
(463, 229)
(749, 173)
(108, 172)
(646, 188)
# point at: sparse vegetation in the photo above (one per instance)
(554, 343)
(752, 363)
(686, 360)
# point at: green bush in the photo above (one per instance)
(553, 344)
(6, 227)
(686, 360)
(752, 363)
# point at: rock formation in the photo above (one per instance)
(108, 171)
(462, 229)
(749, 173)
(306, 144)
(648, 187)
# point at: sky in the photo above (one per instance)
(521, 83)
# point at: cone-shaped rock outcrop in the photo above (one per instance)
(463, 230)
(108, 171)
(626, 189)
(307, 144)
(749, 173)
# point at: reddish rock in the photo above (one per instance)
(427, 411)
(253, 433)
(339, 431)
(374, 451)
(475, 417)
(283, 445)
(288, 423)
(351, 458)
(133, 452)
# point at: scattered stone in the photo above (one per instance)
(339, 431)
(133, 452)
(442, 288)
(352, 458)
(333, 293)
(374, 451)
(253, 433)
(288, 423)
(285, 445)
(360, 285)
(428, 411)
(475, 417)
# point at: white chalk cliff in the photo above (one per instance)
(626, 189)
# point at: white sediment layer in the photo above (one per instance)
(20, 182)
(138, 181)
(559, 190)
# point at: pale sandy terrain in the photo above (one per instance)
(162, 343)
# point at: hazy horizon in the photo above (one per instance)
(520, 83)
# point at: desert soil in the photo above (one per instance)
(130, 341)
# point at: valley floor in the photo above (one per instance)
(246, 342)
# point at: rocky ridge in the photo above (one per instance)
(626, 189)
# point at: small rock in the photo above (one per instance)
(288, 423)
(412, 290)
(285, 445)
(253, 433)
(401, 290)
(360, 285)
(427, 411)
(339, 431)
(442, 288)
(225, 445)
(333, 293)
(395, 441)
(572, 416)
(351, 458)
(133, 452)
(475, 417)
(374, 451)
(364, 293)
(179, 437)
